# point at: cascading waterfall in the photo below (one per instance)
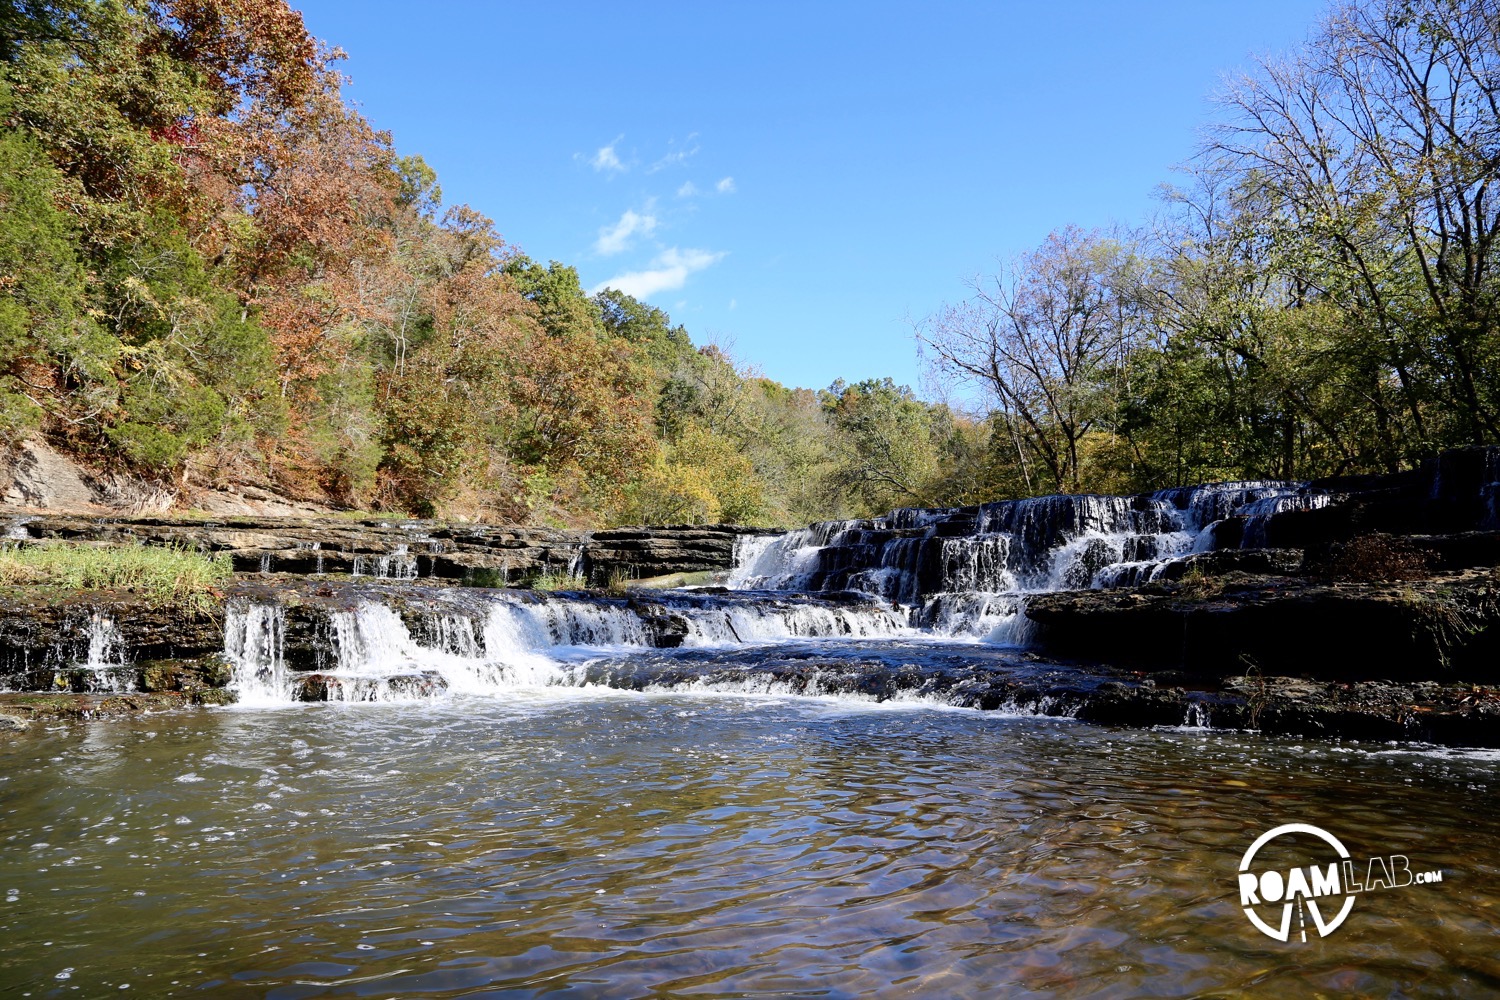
(106, 648)
(917, 576)
(1258, 513)
(398, 564)
(1489, 491)
(106, 665)
(492, 641)
(966, 571)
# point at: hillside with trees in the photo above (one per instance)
(1319, 296)
(214, 270)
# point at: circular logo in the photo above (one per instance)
(1299, 889)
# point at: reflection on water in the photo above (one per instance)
(600, 844)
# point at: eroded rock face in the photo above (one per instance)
(487, 555)
(1426, 711)
(1445, 626)
(34, 475)
(44, 630)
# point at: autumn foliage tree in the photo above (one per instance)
(220, 271)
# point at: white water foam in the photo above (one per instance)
(509, 642)
(254, 637)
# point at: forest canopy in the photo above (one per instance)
(214, 270)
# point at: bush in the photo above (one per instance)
(1372, 559)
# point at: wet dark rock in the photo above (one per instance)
(1446, 626)
(29, 708)
(1278, 562)
(330, 687)
(212, 671)
(1451, 714)
(664, 630)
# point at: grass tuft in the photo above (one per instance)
(165, 575)
(553, 580)
(1199, 585)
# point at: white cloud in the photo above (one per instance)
(669, 270)
(734, 304)
(607, 159)
(687, 190)
(726, 186)
(617, 238)
(676, 157)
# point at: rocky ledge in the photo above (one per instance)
(1447, 625)
(1290, 653)
(20, 711)
(1105, 658)
(489, 555)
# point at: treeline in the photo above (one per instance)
(1318, 298)
(214, 270)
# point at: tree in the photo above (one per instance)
(884, 440)
(1379, 141)
(1048, 342)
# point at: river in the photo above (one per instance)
(594, 843)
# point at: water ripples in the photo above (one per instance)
(604, 844)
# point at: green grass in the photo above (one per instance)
(165, 575)
(559, 581)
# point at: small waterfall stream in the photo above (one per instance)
(254, 637)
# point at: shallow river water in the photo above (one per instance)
(580, 843)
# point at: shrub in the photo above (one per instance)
(1372, 559)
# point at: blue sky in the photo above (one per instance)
(798, 181)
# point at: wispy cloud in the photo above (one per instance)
(688, 190)
(668, 271)
(676, 157)
(726, 186)
(618, 237)
(606, 160)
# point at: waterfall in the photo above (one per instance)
(751, 624)
(1489, 492)
(965, 571)
(909, 576)
(398, 564)
(486, 642)
(105, 666)
(106, 647)
(1258, 513)
(254, 641)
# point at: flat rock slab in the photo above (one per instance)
(20, 711)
